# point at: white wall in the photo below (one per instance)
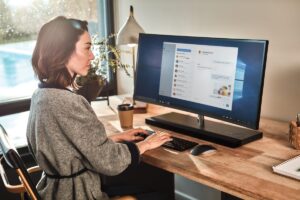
(275, 20)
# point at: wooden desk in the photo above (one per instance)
(244, 172)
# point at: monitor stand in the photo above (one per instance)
(217, 132)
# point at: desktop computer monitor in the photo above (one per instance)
(215, 77)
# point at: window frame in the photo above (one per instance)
(15, 106)
(108, 19)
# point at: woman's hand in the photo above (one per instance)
(153, 141)
(129, 135)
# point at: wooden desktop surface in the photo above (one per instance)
(245, 172)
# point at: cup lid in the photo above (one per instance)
(124, 107)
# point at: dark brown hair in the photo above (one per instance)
(55, 44)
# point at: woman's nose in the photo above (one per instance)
(91, 55)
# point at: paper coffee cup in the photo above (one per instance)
(125, 115)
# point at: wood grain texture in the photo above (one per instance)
(245, 172)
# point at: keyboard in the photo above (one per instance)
(177, 144)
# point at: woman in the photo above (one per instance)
(64, 134)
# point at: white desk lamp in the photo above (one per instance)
(129, 35)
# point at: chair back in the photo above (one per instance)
(14, 160)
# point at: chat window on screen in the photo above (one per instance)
(200, 73)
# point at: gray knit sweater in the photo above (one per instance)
(65, 137)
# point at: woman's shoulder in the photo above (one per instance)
(58, 96)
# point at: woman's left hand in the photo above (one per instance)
(129, 135)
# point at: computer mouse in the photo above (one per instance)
(202, 149)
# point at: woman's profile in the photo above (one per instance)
(64, 134)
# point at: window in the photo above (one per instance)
(20, 21)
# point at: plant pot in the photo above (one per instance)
(91, 90)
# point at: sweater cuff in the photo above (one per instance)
(135, 153)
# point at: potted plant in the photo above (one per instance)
(105, 54)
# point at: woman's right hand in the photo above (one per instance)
(153, 141)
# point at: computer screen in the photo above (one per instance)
(215, 77)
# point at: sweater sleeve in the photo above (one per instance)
(86, 133)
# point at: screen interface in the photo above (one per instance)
(221, 78)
